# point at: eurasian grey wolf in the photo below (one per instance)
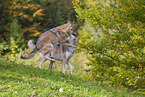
(58, 52)
(51, 38)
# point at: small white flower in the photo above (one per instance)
(61, 90)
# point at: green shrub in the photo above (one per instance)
(117, 56)
(3, 48)
(15, 35)
(14, 40)
(9, 49)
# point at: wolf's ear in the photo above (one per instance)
(69, 23)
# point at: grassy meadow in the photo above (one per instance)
(109, 60)
(19, 80)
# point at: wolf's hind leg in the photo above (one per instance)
(41, 54)
(71, 69)
(50, 65)
(43, 60)
(47, 56)
(47, 48)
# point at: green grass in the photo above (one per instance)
(19, 80)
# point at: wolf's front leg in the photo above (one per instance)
(64, 60)
(69, 45)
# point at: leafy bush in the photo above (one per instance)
(15, 35)
(14, 40)
(118, 56)
(3, 48)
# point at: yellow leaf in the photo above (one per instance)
(26, 7)
(21, 13)
(25, 16)
(77, 1)
(37, 12)
(36, 34)
(27, 29)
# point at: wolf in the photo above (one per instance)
(58, 52)
(51, 38)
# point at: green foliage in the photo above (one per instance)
(9, 50)
(26, 80)
(15, 35)
(29, 15)
(14, 38)
(32, 18)
(17, 20)
(56, 12)
(3, 48)
(117, 57)
(13, 46)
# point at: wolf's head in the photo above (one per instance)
(72, 28)
(67, 28)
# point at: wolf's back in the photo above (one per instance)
(49, 37)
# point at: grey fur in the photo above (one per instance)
(51, 38)
(59, 52)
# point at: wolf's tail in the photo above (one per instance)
(31, 46)
(29, 55)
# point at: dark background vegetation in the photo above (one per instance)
(30, 18)
(112, 35)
